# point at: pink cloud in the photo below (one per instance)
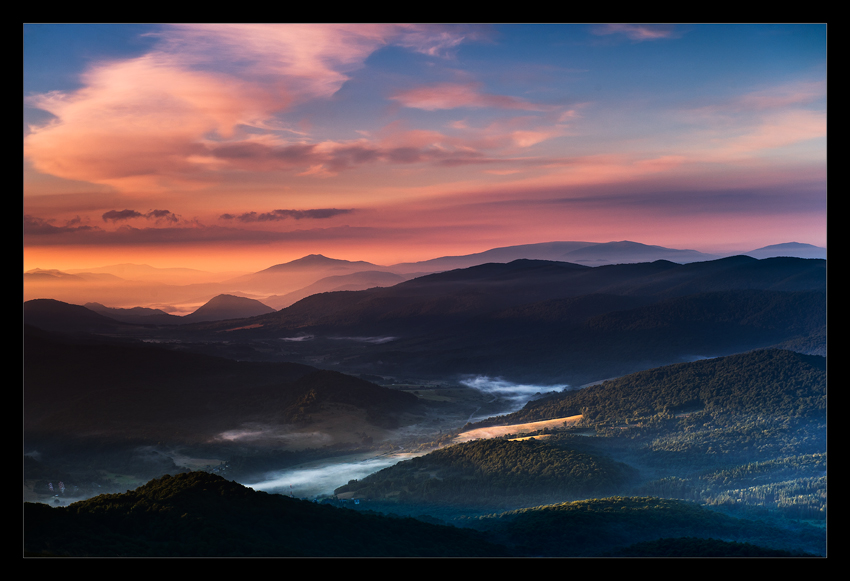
(662, 163)
(437, 40)
(784, 96)
(177, 116)
(310, 59)
(140, 117)
(758, 123)
(513, 134)
(787, 96)
(779, 130)
(455, 95)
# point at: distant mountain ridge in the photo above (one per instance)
(135, 315)
(223, 307)
(58, 316)
(291, 276)
(627, 251)
(590, 253)
(560, 320)
(492, 286)
(316, 260)
(177, 286)
(794, 249)
(53, 315)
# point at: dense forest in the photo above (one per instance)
(149, 392)
(744, 433)
(762, 383)
(598, 526)
(731, 449)
(203, 515)
(496, 472)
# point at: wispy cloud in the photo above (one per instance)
(759, 121)
(455, 95)
(40, 232)
(439, 41)
(775, 131)
(797, 95)
(637, 32)
(35, 226)
(785, 95)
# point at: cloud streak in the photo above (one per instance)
(39, 227)
(276, 215)
(457, 95)
(160, 216)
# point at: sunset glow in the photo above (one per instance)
(236, 147)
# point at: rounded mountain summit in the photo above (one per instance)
(223, 307)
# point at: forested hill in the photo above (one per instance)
(496, 472)
(463, 294)
(539, 321)
(149, 391)
(601, 526)
(770, 382)
(199, 515)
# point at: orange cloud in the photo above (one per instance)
(140, 117)
(177, 116)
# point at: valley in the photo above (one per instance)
(454, 396)
(428, 290)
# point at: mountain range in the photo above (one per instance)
(59, 316)
(566, 322)
(531, 318)
(127, 285)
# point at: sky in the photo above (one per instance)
(241, 146)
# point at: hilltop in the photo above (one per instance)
(202, 515)
(495, 472)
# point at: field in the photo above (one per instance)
(500, 431)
